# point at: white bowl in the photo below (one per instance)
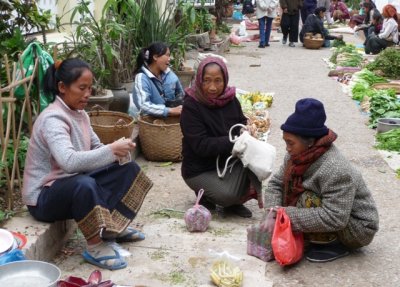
(6, 240)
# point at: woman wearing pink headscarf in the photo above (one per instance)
(389, 34)
(209, 110)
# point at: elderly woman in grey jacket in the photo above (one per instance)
(324, 196)
(265, 13)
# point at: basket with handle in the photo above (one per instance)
(160, 138)
(109, 125)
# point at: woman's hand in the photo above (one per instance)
(285, 10)
(122, 147)
(175, 111)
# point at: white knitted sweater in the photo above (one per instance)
(62, 144)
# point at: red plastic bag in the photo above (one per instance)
(287, 246)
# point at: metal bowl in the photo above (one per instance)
(387, 124)
(29, 273)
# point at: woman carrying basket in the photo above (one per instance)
(210, 109)
(70, 174)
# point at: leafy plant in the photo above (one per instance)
(389, 140)
(388, 61)
(19, 17)
(382, 102)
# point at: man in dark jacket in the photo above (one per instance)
(315, 25)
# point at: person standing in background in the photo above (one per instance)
(265, 13)
(290, 20)
(327, 5)
(307, 9)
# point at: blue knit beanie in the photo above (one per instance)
(308, 119)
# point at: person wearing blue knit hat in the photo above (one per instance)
(325, 197)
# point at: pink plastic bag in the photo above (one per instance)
(259, 238)
(287, 245)
(198, 217)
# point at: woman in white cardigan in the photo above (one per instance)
(265, 13)
(389, 34)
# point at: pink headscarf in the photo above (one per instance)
(196, 91)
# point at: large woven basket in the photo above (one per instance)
(313, 43)
(160, 139)
(111, 126)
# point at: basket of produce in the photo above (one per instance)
(109, 125)
(313, 41)
(223, 274)
(160, 139)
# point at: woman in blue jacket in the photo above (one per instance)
(157, 91)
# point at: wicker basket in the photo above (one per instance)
(313, 43)
(160, 139)
(111, 126)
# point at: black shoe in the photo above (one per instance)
(239, 210)
(326, 252)
(207, 203)
(267, 45)
(291, 44)
(261, 46)
(284, 40)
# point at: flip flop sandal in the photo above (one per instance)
(101, 262)
(130, 235)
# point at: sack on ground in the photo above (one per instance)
(287, 246)
(198, 217)
(259, 237)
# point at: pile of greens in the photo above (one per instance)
(383, 104)
(346, 56)
(389, 140)
(370, 77)
(338, 43)
(360, 90)
(388, 61)
(364, 79)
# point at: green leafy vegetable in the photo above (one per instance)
(389, 140)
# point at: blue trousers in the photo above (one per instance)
(265, 25)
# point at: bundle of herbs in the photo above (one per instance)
(383, 104)
(389, 140)
(346, 56)
(388, 62)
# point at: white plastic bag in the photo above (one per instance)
(258, 156)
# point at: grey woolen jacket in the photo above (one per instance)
(347, 204)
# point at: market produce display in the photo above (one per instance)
(223, 274)
(254, 106)
(388, 63)
(389, 140)
(346, 56)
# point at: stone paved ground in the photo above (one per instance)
(170, 256)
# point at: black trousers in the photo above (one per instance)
(290, 26)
